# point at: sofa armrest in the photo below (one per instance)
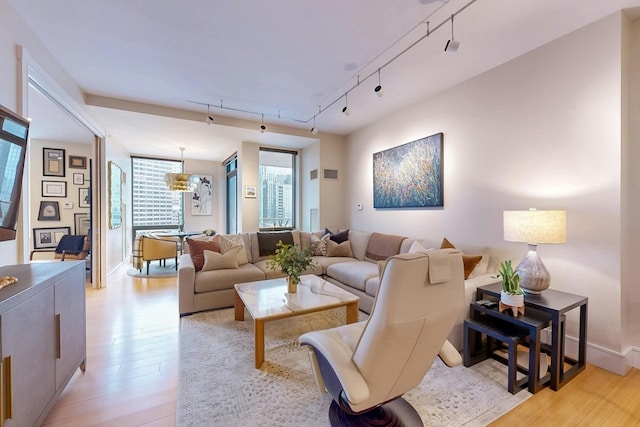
(186, 285)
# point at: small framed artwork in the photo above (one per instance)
(54, 189)
(77, 162)
(78, 178)
(82, 224)
(49, 237)
(250, 191)
(53, 162)
(84, 198)
(49, 211)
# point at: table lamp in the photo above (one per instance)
(534, 227)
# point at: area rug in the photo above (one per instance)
(155, 270)
(219, 386)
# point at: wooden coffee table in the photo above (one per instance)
(268, 300)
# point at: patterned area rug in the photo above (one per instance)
(218, 385)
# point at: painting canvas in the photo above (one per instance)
(410, 175)
(202, 198)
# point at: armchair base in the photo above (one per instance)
(397, 412)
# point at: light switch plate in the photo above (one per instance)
(68, 205)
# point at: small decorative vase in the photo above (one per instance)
(292, 284)
(511, 301)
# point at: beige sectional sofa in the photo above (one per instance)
(358, 274)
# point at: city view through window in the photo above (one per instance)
(277, 188)
(153, 203)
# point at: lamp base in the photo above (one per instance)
(534, 277)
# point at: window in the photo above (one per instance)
(276, 174)
(232, 194)
(153, 205)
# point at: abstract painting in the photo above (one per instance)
(409, 175)
(202, 198)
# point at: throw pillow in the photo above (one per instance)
(319, 245)
(228, 243)
(469, 261)
(339, 249)
(217, 261)
(197, 246)
(339, 237)
(481, 268)
(416, 247)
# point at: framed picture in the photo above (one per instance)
(82, 224)
(115, 195)
(409, 175)
(49, 211)
(250, 191)
(53, 162)
(202, 197)
(48, 237)
(78, 178)
(54, 189)
(77, 162)
(84, 198)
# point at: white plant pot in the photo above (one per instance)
(512, 300)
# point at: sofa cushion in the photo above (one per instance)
(198, 245)
(268, 241)
(382, 246)
(469, 261)
(371, 287)
(217, 261)
(235, 242)
(359, 241)
(354, 274)
(343, 249)
(215, 280)
(323, 262)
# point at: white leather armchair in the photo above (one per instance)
(367, 366)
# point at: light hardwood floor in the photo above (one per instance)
(132, 370)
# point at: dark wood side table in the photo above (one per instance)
(556, 304)
(509, 330)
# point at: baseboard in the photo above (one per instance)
(618, 363)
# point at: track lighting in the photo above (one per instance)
(209, 119)
(452, 45)
(262, 126)
(345, 110)
(314, 129)
(378, 90)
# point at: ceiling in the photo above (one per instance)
(286, 59)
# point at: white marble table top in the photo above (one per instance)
(269, 298)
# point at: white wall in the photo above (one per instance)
(67, 218)
(541, 131)
(119, 244)
(202, 222)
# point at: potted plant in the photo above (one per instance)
(511, 295)
(292, 261)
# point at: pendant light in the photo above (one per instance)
(181, 182)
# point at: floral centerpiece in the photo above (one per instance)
(512, 295)
(292, 261)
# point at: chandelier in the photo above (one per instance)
(181, 182)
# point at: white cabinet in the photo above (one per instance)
(42, 338)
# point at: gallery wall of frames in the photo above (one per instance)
(60, 188)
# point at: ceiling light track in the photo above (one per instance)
(345, 110)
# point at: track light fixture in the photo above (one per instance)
(209, 119)
(262, 126)
(345, 110)
(452, 45)
(314, 129)
(378, 90)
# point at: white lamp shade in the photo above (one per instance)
(535, 226)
